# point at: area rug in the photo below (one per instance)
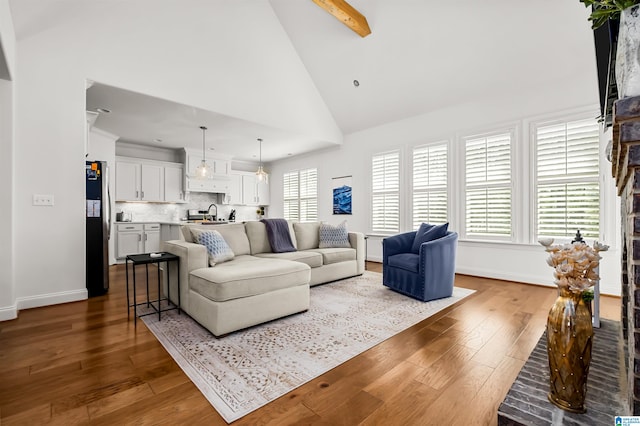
(245, 370)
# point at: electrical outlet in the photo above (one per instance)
(42, 199)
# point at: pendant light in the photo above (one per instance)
(260, 173)
(203, 170)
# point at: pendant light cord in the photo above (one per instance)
(203, 130)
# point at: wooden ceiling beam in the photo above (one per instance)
(344, 12)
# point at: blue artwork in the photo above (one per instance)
(342, 200)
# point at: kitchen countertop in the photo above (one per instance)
(167, 222)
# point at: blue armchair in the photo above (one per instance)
(427, 275)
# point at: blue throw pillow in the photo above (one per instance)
(428, 232)
(334, 236)
(217, 248)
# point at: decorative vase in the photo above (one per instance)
(569, 339)
(628, 53)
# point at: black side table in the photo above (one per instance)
(145, 259)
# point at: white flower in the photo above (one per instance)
(574, 264)
(564, 269)
(597, 246)
(546, 241)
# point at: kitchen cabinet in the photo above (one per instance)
(149, 180)
(254, 192)
(135, 238)
(129, 239)
(151, 237)
(127, 181)
(173, 187)
(263, 193)
(218, 182)
(217, 185)
(137, 181)
(219, 165)
(170, 232)
(234, 196)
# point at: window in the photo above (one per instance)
(430, 184)
(567, 179)
(385, 197)
(488, 185)
(301, 195)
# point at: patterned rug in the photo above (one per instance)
(247, 369)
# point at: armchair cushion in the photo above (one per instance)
(428, 232)
(406, 261)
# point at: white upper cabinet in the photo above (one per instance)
(220, 165)
(249, 190)
(218, 182)
(152, 183)
(263, 193)
(234, 196)
(127, 181)
(254, 192)
(148, 180)
(173, 187)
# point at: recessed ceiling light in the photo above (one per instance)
(104, 110)
(356, 83)
(211, 149)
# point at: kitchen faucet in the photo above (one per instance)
(212, 217)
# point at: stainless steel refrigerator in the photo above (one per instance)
(98, 224)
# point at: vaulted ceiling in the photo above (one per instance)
(420, 56)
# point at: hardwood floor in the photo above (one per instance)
(86, 363)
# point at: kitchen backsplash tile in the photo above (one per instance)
(160, 212)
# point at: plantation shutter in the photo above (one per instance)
(308, 195)
(290, 196)
(300, 195)
(567, 179)
(430, 184)
(385, 188)
(488, 186)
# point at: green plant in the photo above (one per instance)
(603, 10)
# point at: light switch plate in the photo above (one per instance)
(43, 199)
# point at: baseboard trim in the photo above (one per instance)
(8, 313)
(51, 299)
(488, 273)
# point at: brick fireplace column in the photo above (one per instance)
(625, 158)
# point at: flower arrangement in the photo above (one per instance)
(574, 264)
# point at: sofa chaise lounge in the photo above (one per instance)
(257, 285)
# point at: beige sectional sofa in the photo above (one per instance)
(256, 285)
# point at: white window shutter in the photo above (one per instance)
(488, 186)
(567, 179)
(385, 198)
(301, 195)
(430, 184)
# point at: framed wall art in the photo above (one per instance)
(342, 195)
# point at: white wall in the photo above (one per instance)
(7, 293)
(7, 59)
(518, 262)
(227, 57)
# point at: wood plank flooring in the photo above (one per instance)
(86, 363)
